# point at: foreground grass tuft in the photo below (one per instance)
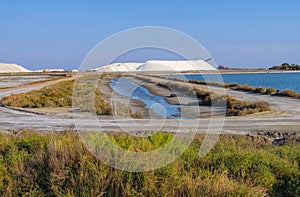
(54, 164)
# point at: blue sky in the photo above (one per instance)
(40, 34)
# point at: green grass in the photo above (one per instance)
(33, 164)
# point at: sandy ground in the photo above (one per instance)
(288, 121)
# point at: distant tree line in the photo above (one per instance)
(286, 66)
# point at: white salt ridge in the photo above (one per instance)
(158, 65)
(12, 68)
(122, 67)
(175, 65)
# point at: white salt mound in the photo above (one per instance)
(12, 68)
(121, 67)
(158, 65)
(175, 66)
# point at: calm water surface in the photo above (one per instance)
(134, 91)
(279, 81)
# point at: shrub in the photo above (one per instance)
(260, 90)
(270, 91)
(243, 87)
(234, 106)
(289, 93)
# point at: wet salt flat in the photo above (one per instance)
(11, 81)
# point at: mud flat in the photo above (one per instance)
(12, 81)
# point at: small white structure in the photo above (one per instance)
(12, 68)
(55, 70)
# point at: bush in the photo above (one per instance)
(289, 93)
(234, 106)
(260, 90)
(243, 87)
(270, 91)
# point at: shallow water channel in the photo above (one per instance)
(157, 103)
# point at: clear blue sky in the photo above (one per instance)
(50, 33)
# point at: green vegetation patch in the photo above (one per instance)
(57, 95)
(33, 164)
(61, 95)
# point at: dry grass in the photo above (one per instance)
(244, 87)
(288, 93)
(234, 106)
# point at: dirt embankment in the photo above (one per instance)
(280, 105)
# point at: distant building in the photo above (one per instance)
(52, 70)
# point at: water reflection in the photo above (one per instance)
(157, 103)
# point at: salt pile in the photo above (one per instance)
(175, 66)
(158, 65)
(12, 68)
(121, 67)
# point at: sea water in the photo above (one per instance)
(279, 81)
